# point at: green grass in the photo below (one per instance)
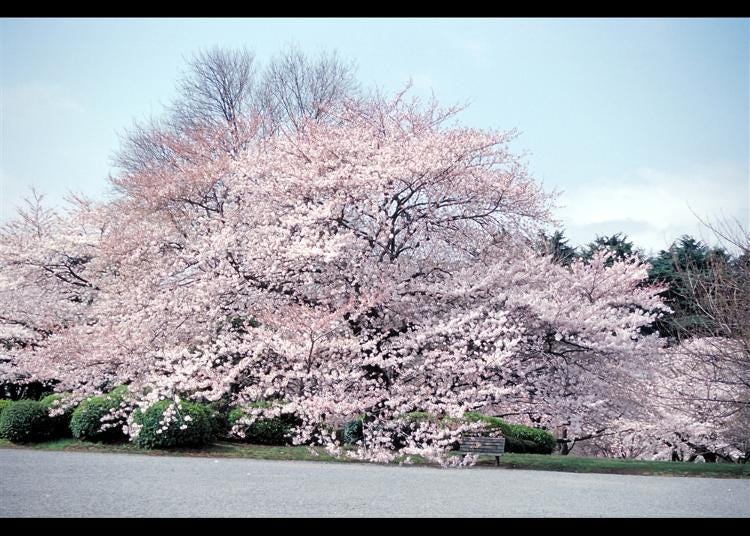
(580, 464)
(538, 462)
(219, 449)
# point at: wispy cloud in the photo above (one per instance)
(34, 98)
(653, 206)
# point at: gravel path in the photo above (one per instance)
(62, 484)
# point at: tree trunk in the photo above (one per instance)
(563, 442)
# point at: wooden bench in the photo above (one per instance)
(486, 446)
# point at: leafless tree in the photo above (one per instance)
(296, 87)
(142, 146)
(722, 291)
(217, 90)
(214, 96)
(223, 97)
(719, 357)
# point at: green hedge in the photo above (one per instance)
(25, 421)
(523, 446)
(118, 393)
(60, 424)
(4, 403)
(266, 431)
(353, 431)
(86, 421)
(220, 417)
(193, 425)
(544, 442)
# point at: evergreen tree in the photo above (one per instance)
(617, 243)
(686, 258)
(557, 246)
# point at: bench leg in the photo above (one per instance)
(497, 461)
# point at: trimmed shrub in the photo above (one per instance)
(491, 423)
(118, 393)
(352, 431)
(235, 414)
(273, 431)
(86, 421)
(4, 404)
(25, 421)
(220, 417)
(543, 442)
(522, 446)
(168, 425)
(59, 424)
(266, 431)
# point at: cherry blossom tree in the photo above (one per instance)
(47, 280)
(376, 263)
(694, 400)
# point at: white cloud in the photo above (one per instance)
(655, 207)
(29, 99)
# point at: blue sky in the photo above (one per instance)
(638, 122)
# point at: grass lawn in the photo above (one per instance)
(580, 464)
(219, 449)
(539, 462)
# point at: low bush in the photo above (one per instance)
(86, 420)
(352, 431)
(25, 421)
(4, 403)
(543, 442)
(272, 431)
(170, 425)
(267, 430)
(522, 446)
(59, 424)
(220, 417)
(118, 393)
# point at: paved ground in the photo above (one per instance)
(38, 483)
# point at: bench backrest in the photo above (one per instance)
(492, 446)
